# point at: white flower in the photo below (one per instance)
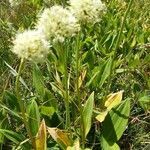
(87, 11)
(31, 45)
(57, 23)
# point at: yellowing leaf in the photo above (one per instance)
(41, 137)
(101, 116)
(60, 137)
(76, 146)
(81, 78)
(113, 100)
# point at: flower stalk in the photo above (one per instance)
(68, 126)
(78, 91)
(21, 104)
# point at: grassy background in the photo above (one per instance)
(133, 69)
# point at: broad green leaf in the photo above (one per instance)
(13, 136)
(87, 114)
(105, 145)
(145, 102)
(116, 121)
(48, 111)
(34, 117)
(38, 80)
(41, 137)
(60, 137)
(106, 72)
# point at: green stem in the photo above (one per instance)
(21, 104)
(122, 26)
(82, 131)
(68, 126)
(117, 44)
(77, 76)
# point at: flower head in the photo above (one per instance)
(57, 23)
(31, 45)
(87, 11)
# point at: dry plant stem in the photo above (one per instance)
(21, 104)
(68, 126)
(82, 132)
(117, 44)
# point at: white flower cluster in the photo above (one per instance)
(87, 11)
(30, 45)
(57, 23)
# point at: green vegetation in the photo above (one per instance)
(92, 91)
